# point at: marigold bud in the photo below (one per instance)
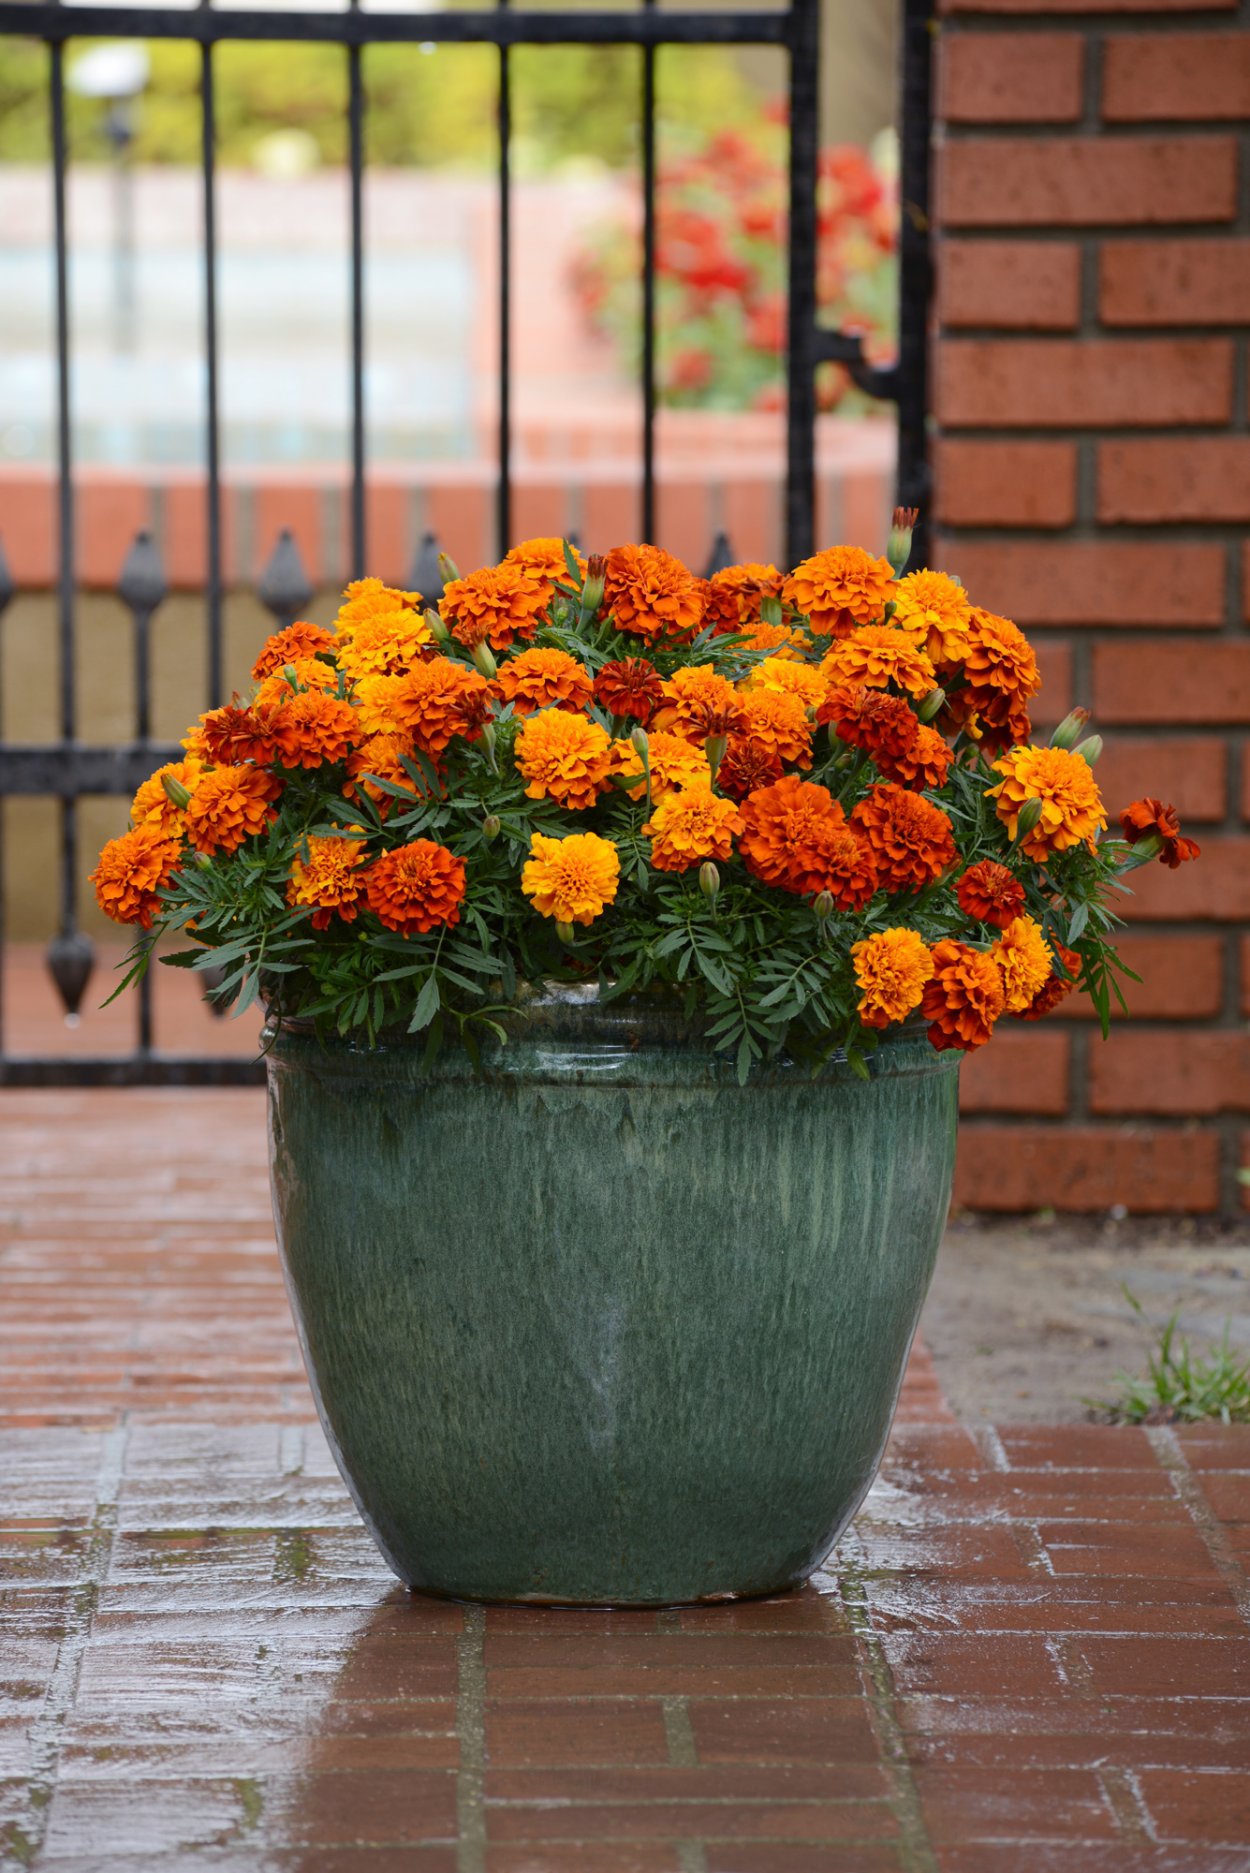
(180, 795)
(1089, 749)
(203, 861)
(898, 548)
(484, 660)
(565, 932)
(709, 878)
(715, 747)
(447, 568)
(1070, 727)
(823, 905)
(438, 630)
(930, 705)
(1027, 818)
(592, 591)
(492, 826)
(639, 741)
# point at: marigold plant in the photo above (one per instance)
(806, 807)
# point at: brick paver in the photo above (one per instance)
(1032, 1651)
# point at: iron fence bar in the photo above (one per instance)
(356, 160)
(132, 1070)
(801, 307)
(915, 269)
(50, 770)
(648, 288)
(65, 487)
(503, 495)
(48, 19)
(212, 411)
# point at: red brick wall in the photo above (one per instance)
(1093, 482)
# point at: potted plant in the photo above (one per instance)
(620, 935)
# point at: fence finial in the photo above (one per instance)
(7, 587)
(142, 585)
(721, 555)
(284, 587)
(425, 576)
(71, 960)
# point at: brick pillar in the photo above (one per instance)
(1093, 483)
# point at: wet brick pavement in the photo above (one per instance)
(1032, 1651)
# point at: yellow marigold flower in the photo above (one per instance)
(564, 757)
(690, 825)
(153, 806)
(699, 702)
(891, 969)
(839, 589)
(1024, 962)
(675, 763)
(877, 656)
(573, 879)
(382, 755)
(787, 678)
(372, 598)
(385, 645)
(779, 722)
(328, 879)
(935, 610)
(537, 678)
(1072, 808)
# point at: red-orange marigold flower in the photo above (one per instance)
(132, 870)
(630, 687)
(1055, 987)
(1148, 816)
(796, 837)
(536, 679)
(229, 805)
(234, 733)
(963, 998)
(748, 765)
(839, 589)
(416, 887)
(909, 836)
(309, 730)
(650, 594)
(989, 893)
(495, 606)
(735, 593)
(1001, 674)
(292, 645)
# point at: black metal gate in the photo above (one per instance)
(66, 770)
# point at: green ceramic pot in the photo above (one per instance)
(595, 1324)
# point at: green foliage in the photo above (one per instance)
(1180, 1386)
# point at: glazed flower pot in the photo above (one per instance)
(596, 1324)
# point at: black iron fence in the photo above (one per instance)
(67, 770)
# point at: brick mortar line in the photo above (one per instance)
(48, 1729)
(1119, 1791)
(1170, 1456)
(915, 1848)
(471, 1732)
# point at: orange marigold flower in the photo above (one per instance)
(132, 870)
(1055, 987)
(891, 969)
(387, 644)
(371, 598)
(543, 563)
(923, 764)
(295, 644)
(234, 733)
(383, 756)
(674, 762)
(689, 825)
(779, 722)
(328, 879)
(785, 677)
(735, 593)
(748, 765)
(573, 879)
(934, 609)
(781, 639)
(430, 704)
(309, 730)
(878, 655)
(416, 887)
(1150, 816)
(1023, 959)
(1001, 674)
(839, 589)
(988, 892)
(963, 998)
(564, 757)
(1063, 781)
(650, 594)
(194, 743)
(630, 687)
(537, 678)
(229, 805)
(495, 606)
(909, 836)
(152, 805)
(796, 837)
(700, 702)
(308, 672)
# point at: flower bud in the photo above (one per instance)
(565, 932)
(1070, 727)
(1027, 818)
(447, 568)
(930, 705)
(291, 675)
(898, 548)
(492, 826)
(639, 741)
(715, 747)
(592, 591)
(438, 630)
(823, 905)
(1089, 749)
(484, 661)
(203, 861)
(709, 879)
(180, 795)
